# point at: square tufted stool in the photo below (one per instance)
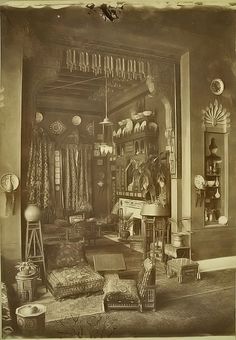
(183, 268)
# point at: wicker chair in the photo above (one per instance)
(123, 294)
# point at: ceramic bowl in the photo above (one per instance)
(210, 183)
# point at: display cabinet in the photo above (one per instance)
(134, 141)
(216, 125)
(214, 178)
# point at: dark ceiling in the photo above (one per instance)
(80, 86)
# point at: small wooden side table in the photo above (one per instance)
(183, 268)
(26, 287)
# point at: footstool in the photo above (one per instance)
(183, 268)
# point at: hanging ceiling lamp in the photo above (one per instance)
(105, 147)
(106, 120)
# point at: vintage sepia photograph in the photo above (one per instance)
(117, 169)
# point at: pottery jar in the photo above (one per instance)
(32, 213)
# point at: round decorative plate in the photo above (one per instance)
(199, 182)
(147, 113)
(76, 120)
(137, 127)
(9, 182)
(153, 126)
(129, 125)
(124, 131)
(143, 125)
(38, 117)
(217, 86)
(223, 220)
(118, 133)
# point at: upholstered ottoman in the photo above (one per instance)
(68, 271)
(129, 294)
(76, 280)
(183, 268)
(120, 294)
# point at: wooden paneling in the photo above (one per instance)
(213, 242)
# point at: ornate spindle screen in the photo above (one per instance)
(110, 66)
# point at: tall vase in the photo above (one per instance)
(32, 213)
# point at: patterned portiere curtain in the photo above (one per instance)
(77, 178)
(38, 184)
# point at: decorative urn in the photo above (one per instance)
(32, 213)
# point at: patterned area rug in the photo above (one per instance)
(73, 307)
(207, 314)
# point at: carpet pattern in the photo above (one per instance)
(69, 308)
(193, 308)
(204, 315)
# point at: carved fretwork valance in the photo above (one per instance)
(216, 118)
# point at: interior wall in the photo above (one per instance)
(10, 141)
(200, 57)
(207, 241)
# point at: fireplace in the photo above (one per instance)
(127, 206)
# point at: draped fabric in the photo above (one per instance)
(38, 183)
(77, 170)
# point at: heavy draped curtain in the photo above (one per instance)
(77, 170)
(76, 174)
(38, 183)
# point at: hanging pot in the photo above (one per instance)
(32, 213)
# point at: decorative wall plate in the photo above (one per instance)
(143, 125)
(153, 126)
(124, 131)
(76, 120)
(9, 182)
(223, 220)
(147, 113)
(118, 134)
(217, 86)
(38, 117)
(57, 127)
(137, 127)
(122, 122)
(129, 125)
(199, 182)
